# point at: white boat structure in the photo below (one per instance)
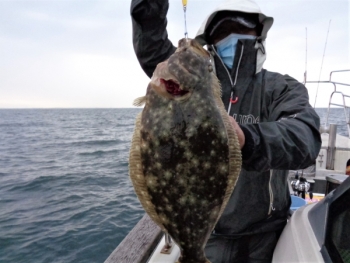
(317, 232)
(335, 151)
(320, 232)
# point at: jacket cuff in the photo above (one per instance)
(249, 146)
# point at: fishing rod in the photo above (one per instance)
(324, 51)
(305, 73)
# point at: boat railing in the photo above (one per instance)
(344, 96)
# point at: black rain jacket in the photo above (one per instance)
(280, 126)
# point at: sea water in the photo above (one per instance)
(65, 194)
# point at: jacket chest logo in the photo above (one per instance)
(246, 119)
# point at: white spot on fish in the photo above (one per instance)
(197, 121)
(223, 168)
(206, 165)
(188, 154)
(144, 145)
(165, 133)
(195, 162)
(167, 175)
(192, 200)
(192, 179)
(183, 143)
(151, 181)
(181, 181)
(164, 219)
(223, 134)
(182, 200)
(204, 202)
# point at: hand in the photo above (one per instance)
(240, 134)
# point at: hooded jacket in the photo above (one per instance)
(273, 110)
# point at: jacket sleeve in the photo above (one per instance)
(150, 38)
(290, 138)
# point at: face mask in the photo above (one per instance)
(226, 47)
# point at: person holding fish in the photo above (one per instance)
(276, 127)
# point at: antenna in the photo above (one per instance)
(324, 51)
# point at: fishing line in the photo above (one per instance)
(324, 51)
(184, 3)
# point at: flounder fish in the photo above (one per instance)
(185, 157)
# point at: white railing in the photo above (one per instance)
(337, 91)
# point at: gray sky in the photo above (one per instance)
(72, 54)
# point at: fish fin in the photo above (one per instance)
(216, 87)
(137, 175)
(139, 101)
(235, 156)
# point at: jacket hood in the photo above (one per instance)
(245, 6)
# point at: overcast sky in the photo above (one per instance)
(73, 54)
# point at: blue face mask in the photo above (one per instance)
(226, 47)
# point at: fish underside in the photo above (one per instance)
(185, 157)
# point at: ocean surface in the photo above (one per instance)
(65, 194)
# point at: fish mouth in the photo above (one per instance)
(173, 88)
(166, 85)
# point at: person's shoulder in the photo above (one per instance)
(278, 78)
(275, 75)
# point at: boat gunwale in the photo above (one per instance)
(139, 244)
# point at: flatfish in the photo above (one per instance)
(185, 157)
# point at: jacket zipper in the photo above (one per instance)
(271, 208)
(233, 84)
